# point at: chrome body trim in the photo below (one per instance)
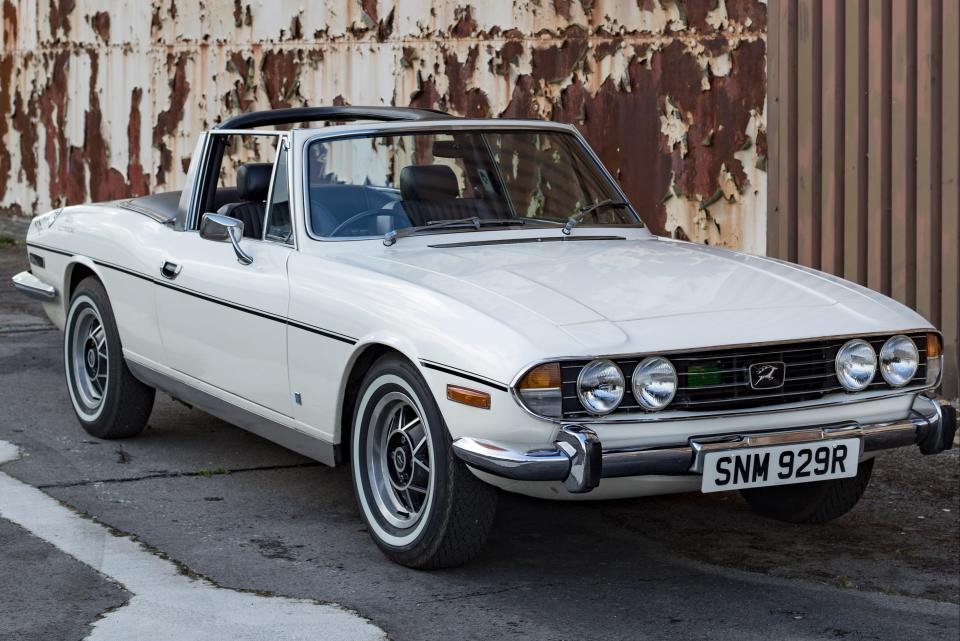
(533, 465)
(282, 435)
(582, 447)
(34, 287)
(579, 461)
(664, 414)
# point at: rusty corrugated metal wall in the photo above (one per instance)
(104, 98)
(865, 125)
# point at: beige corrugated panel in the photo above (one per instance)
(865, 148)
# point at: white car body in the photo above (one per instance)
(281, 336)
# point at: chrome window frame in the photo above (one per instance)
(283, 147)
(405, 128)
(193, 219)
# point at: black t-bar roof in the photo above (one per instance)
(310, 114)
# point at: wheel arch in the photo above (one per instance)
(366, 354)
(77, 269)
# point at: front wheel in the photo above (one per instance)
(816, 502)
(108, 401)
(423, 507)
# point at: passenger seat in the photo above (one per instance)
(253, 185)
(431, 193)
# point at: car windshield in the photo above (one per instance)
(371, 185)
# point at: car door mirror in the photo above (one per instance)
(223, 229)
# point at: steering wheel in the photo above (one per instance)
(369, 213)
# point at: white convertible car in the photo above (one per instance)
(452, 306)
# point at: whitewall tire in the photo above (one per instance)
(423, 507)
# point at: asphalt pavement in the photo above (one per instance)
(240, 513)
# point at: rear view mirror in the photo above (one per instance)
(223, 229)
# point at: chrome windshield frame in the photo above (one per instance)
(364, 130)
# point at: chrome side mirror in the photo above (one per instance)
(223, 229)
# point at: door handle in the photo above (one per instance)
(170, 270)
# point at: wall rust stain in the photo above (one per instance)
(59, 16)
(138, 179)
(670, 93)
(10, 30)
(169, 119)
(100, 21)
(6, 73)
(279, 72)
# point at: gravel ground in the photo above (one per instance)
(902, 538)
(251, 515)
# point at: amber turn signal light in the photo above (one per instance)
(933, 345)
(545, 376)
(468, 396)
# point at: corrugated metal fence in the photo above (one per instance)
(865, 148)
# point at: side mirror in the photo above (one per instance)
(223, 229)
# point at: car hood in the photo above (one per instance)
(608, 292)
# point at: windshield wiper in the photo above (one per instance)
(391, 236)
(589, 209)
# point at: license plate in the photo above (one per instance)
(779, 465)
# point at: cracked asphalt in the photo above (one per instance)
(249, 515)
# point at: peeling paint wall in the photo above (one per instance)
(104, 98)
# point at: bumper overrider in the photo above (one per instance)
(579, 460)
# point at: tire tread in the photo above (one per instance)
(129, 410)
(469, 507)
(813, 503)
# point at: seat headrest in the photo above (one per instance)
(428, 182)
(253, 181)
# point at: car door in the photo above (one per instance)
(223, 323)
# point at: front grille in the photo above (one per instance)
(717, 379)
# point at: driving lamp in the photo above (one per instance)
(600, 386)
(654, 383)
(856, 365)
(899, 360)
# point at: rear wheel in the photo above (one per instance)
(108, 401)
(816, 502)
(423, 507)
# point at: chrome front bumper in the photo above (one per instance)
(34, 287)
(579, 460)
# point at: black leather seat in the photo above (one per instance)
(427, 192)
(253, 185)
(431, 193)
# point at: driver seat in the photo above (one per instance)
(253, 185)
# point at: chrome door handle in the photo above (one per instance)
(170, 270)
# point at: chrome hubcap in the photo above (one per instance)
(399, 460)
(89, 355)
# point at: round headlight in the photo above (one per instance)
(856, 364)
(899, 360)
(654, 382)
(600, 386)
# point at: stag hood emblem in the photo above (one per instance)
(767, 375)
